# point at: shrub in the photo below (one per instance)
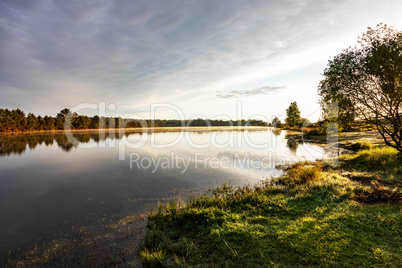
(361, 145)
(152, 259)
(313, 132)
(301, 173)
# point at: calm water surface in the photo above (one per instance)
(49, 184)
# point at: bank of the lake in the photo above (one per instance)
(81, 200)
(316, 215)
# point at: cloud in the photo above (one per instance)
(266, 90)
(32, 5)
(81, 10)
(133, 53)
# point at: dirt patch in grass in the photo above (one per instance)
(379, 194)
(346, 140)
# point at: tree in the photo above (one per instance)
(4, 119)
(345, 111)
(41, 123)
(369, 77)
(19, 120)
(95, 122)
(293, 115)
(64, 113)
(49, 122)
(276, 122)
(304, 122)
(13, 120)
(81, 122)
(67, 117)
(58, 123)
(32, 122)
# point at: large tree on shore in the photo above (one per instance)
(368, 76)
(293, 115)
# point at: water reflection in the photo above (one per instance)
(18, 144)
(44, 189)
(292, 144)
(276, 131)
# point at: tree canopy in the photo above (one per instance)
(276, 122)
(366, 81)
(293, 115)
(16, 121)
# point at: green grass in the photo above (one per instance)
(301, 173)
(309, 218)
(377, 163)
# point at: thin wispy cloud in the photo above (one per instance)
(266, 90)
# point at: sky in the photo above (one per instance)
(173, 59)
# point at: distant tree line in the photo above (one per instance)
(17, 121)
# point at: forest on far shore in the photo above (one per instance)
(17, 121)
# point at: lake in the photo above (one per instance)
(52, 182)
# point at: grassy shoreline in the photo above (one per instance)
(316, 215)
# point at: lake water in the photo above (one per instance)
(49, 183)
